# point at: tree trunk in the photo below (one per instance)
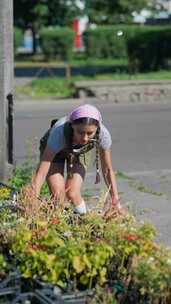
(34, 40)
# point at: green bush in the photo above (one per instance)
(103, 42)
(108, 41)
(18, 38)
(57, 42)
(149, 49)
(117, 254)
(146, 47)
(114, 256)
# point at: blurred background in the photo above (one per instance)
(83, 39)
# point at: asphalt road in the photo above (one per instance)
(141, 135)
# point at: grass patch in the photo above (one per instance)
(81, 59)
(160, 75)
(122, 175)
(44, 87)
(143, 188)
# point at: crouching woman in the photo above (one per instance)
(69, 142)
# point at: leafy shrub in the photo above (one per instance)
(57, 42)
(108, 41)
(21, 175)
(79, 253)
(3, 266)
(116, 253)
(4, 192)
(103, 42)
(149, 49)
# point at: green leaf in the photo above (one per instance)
(78, 264)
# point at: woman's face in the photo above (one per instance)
(83, 133)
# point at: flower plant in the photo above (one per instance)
(116, 256)
(4, 193)
(3, 266)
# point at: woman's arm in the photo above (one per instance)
(42, 170)
(110, 180)
(108, 174)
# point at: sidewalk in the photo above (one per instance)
(146, 194)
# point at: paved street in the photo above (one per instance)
(141, 133)
(141, 136)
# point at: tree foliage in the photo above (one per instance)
(35, 14)
(62, 12)
(43, 12)
(112, 11)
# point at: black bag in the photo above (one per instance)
(43, 140)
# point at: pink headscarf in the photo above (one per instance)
(83, 111)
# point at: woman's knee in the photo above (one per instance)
(73, 195)
(56, 187)
(57, 193)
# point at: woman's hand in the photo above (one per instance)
(115, 202)
(112, 207)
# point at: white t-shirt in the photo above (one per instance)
(57, 141)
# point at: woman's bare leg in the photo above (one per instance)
(56, 182)
(74, 184)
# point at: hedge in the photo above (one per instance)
(57, 42)
(149, 49)
(108, 41)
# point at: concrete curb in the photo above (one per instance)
(132, 91)
(113, 91)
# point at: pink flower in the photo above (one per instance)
(109, 290)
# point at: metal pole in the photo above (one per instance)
(10, 120)
(6, 78)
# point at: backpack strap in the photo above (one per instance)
(44, 138)
(68, 133)
(53, 121)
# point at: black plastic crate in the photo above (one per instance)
(66, 298)
(9, 288)
(81, 297)
(8, 294)
(13, 280)
(39, 284)
(29, 298)
(58, 294)
(51, 296)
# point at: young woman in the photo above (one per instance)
(70, 140)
